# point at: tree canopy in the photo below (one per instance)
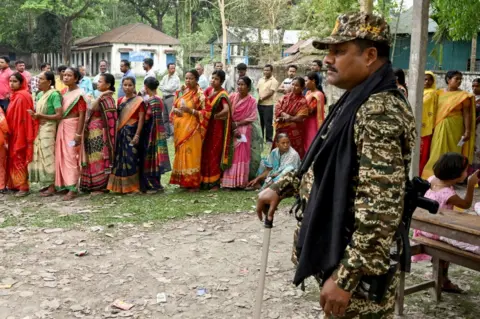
(45, 26)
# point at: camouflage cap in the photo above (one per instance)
(358, 25)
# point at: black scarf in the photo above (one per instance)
(328, 219)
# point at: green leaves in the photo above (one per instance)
(319, 15)
(460, 19)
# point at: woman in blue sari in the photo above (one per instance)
(282, 160)
(131, 116)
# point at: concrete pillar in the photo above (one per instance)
(416, 74)
(90, 61)
(84, 61)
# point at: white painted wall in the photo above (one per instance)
(113, 56)
(159, 58)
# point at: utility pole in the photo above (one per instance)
(366, 6)
(416, 74)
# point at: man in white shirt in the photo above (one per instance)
(287, 83)
(202, 81)
(148, 67)
(169, 85)
(103, 67)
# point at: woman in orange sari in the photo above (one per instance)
(290, 113)
(454, 123)
(21, 136)
(189, 118)
(125, 176)
(3, 151)
(316, 109)
(69, 135)
(217, 152)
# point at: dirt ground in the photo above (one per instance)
(40, 276)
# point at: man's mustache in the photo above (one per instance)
(331, 68)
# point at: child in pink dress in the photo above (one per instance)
(449, 170)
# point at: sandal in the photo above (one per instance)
(450, 287)
(47, 194)
(43, 190)
(22, 194)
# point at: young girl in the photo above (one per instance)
(449, 170)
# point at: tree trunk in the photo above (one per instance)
(66, 39)
(176, 19)
(221, 6)
(159, 25)
(473, 56)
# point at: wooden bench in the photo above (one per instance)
(439, 251)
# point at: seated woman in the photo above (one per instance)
(282, 160)
(449, 170)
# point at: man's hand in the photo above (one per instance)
(267, 199)
(334, 300)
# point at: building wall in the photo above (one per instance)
(456, 54)
(159, 57)
(113, 55)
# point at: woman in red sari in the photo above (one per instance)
(3, 151)
(217, 151)
(316, 109)
(21, 137)
(290, 113)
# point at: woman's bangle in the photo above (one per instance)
(78, 135)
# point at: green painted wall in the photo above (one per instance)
(455, 54)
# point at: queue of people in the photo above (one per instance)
(69, 141)
(78, 138)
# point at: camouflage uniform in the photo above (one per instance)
(384, 135)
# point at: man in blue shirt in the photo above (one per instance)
(127, 73)
(85, 82)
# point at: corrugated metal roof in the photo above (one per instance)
(406, 20)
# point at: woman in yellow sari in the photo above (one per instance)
(454, 124)
(190, 119)
(430, 105)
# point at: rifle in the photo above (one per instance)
(375, 287)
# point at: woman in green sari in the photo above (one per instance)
(48, 113)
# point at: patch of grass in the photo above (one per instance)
(106, 209)
(136, 209)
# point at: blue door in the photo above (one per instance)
(171, 58)
(125, 56)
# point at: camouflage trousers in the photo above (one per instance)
(360, 307)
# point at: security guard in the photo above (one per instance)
(351, 185)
